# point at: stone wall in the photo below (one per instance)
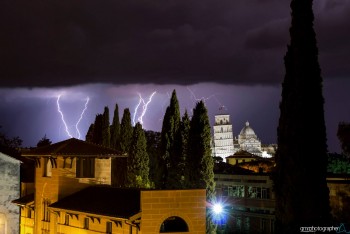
(9, 191)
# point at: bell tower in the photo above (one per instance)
(223, 135)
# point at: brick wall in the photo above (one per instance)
(157, 206)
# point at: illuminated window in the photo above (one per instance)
(174, 224)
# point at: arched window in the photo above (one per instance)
(173, 224)
(47, 167)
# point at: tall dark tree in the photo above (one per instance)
(97, 133)
(115, 129)
(171, 142)
(126, 131)
(44, 142)
(90, 134)
(201, 162)
(138, 161)
(185, 137)
(343, 134)
(153, 151)
(106, 135)
(302, 196)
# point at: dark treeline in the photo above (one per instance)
(179, 157)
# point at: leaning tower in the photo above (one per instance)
(223, 136)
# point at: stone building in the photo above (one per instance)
(9, 190)
(74, 194)
(224, 143)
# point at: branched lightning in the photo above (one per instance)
(64, 122)
(136, 108)
(62, 116)
(81, 116)
(144, 107)
(204, 99)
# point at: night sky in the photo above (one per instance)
(228, 52)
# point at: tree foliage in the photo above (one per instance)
(170, 144)
(343, 134)
(153, 151)
(115, 129)
(138, 161)
(126, 131)
(200, 161)
(106, 135)
(302, 196)
(44, 142)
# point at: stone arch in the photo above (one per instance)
(179, 216)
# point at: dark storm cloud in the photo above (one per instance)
(50, 43)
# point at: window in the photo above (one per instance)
(66, 220)
(86, 223)
(47, 167)
(46, 213)
(109, 227)
(174, 224)
(85, 168)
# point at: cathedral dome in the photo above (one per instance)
(247, 130)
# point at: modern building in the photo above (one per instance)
(248, 200)
(9, 190)
(74, 193)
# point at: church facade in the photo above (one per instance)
(224, 143)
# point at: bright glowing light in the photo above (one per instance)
(65, 123)
(217, 208)
(144, 108)
(203, 98)
(145, 105)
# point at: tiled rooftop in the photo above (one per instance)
(72, 147)
(103, 200)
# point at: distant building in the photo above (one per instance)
(74, 194)
(249, 202)
(9, 190)
(224, 143)
(223, 136)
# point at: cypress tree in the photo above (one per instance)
(153, 144)
(171, 142)
(185, 137)
(200, 160)
(138, 161)
(302, 196)
(97, 133)
(90, 133)
(126, 131)
(115, 129)
(106, 135)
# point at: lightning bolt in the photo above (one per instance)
(81, 116)
(144, 107)
(62, 116)
(136, 108)
(203, 98)
(79, 120)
